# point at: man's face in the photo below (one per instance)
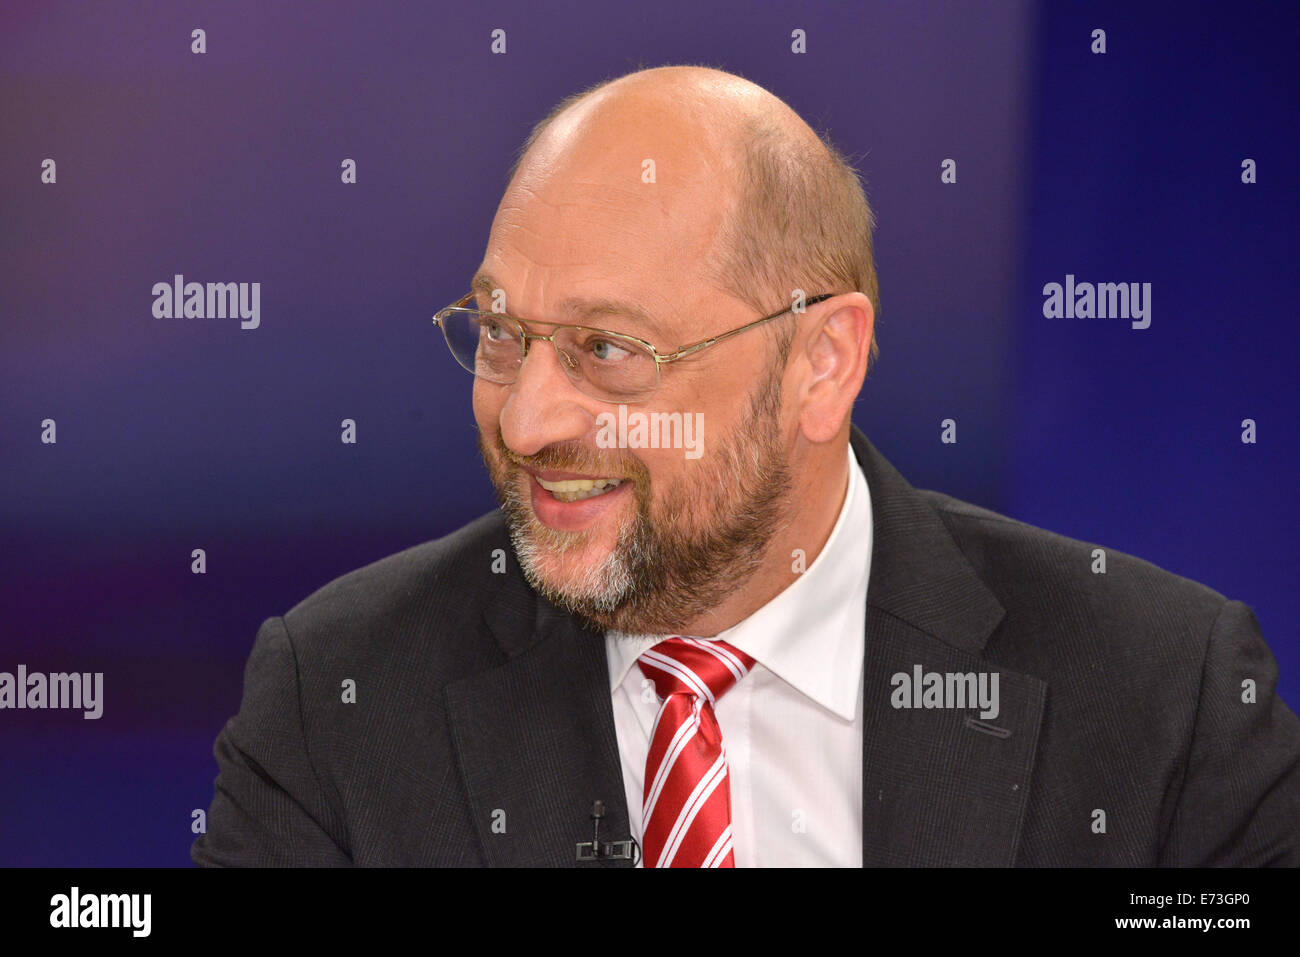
(662, 537)
(663, 547)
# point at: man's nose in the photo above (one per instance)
(543, 406)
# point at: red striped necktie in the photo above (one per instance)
(686, 814)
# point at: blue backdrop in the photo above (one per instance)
(225, 166)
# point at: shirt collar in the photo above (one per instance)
(810, 635)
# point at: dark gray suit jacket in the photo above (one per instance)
(483, 728)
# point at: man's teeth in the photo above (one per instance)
(574, 490)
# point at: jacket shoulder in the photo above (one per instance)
(1006, 550)
(419, 609)
(344, 711)
(455, 564)
(1143, 631)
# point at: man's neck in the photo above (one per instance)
(793, 549)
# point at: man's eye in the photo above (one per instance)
(606, 350)
(495, 331)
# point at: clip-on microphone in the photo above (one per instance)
(594, 850)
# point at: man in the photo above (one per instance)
(711, 625)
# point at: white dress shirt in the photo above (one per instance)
(793, 726)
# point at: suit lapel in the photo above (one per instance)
(535, 737)
(939, 786)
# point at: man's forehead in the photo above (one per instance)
(588, 205)
(587, 309)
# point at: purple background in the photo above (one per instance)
(180, 434)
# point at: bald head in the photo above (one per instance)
(674, 207)
(705, 113)
(786, 210)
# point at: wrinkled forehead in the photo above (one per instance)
(621, 240)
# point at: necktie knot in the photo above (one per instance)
(693, 666)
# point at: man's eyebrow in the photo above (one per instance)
(484, 283)
(579, 310)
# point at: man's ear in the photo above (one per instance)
(834, 362)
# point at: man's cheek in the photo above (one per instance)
(489, 401)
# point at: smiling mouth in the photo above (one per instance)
(575, 490)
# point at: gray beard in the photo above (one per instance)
(660, 574)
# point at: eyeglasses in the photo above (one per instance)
(609, 366)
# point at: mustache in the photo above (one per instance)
(576, 457)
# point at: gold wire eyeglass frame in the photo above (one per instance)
(659, 358)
